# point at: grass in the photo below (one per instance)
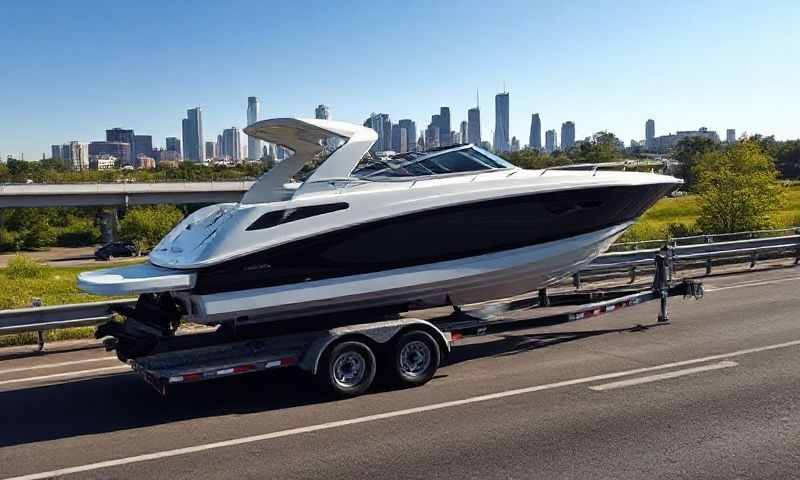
(685, 210)
(25, 279)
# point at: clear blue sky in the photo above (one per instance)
(71, 69)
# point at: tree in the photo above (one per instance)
(601, 148)
(534, 159)
(145, 226)
(737, 187)
(687, 152)
(787, 159)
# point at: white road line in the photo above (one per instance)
(55, 365)
(78, 373)
(750, 284)
(382, 416)
(663, 376)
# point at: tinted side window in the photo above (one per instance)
(271, 219)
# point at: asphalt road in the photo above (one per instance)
(714, 394)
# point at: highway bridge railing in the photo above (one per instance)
(43, 318)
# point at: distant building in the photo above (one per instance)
(730, 136)
(567, 135)
(210, 151)
(514, 144)
(74, 155)
(123, 136)
(396, 138)
(103, 162)
(254, 145)
(174, 145)
(474, 126)
(231, 144)
(535, 140)
(143, 145)
(463, 132)
(501, 123)
(444, 127)
(144, 162)
(649, 133)
(382, 125)
(666, 143)
(192, 125)
(120, 150)
(410, 135)
(550, 141)
(432, 136)
(322, 112)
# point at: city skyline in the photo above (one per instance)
(157, 93)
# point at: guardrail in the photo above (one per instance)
(42, 318)
(630, 261)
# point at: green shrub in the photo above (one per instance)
(145, 226)
(10, 241)
(678, 229)
(77, 233)
(23, 267)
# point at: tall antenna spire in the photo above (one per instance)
(477, 99)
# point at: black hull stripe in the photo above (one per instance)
(434, 236)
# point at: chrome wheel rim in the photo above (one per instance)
(415, 358)
(349, 369)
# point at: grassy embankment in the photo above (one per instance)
(25, 279)
(685, 210)
(58, 285)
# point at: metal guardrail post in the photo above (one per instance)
(633, 274)
(709, 263)
(37, 302)
(661, 281)
(797, 255)
(576, 280)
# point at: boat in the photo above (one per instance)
(338, 229)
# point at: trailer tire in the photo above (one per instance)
(348, 370)
(415, 358)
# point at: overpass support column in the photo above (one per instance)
(109, 224)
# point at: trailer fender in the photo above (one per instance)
(379, 332)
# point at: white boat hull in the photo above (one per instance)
(463, 281)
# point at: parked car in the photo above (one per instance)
(115, 249)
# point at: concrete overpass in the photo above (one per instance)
(119, 194)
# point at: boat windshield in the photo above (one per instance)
(417, 164)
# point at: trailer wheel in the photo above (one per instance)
(348, 369)
(416, 357)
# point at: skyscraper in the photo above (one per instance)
(193, 135)
(210, 151)
(730, 136)
(501, 123)
(444, 126)
(474, 126)
(124, 136)
(567, 135)
(322, 113)
(550, 141)
(254, 145)
(649, 133)
(535, 141)
(143, 145)
(74, 155)
(174, 145)
(463, 132)
(410, 136)
(382, 125)
(231, 144)
(396, 138)
(514, 144)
